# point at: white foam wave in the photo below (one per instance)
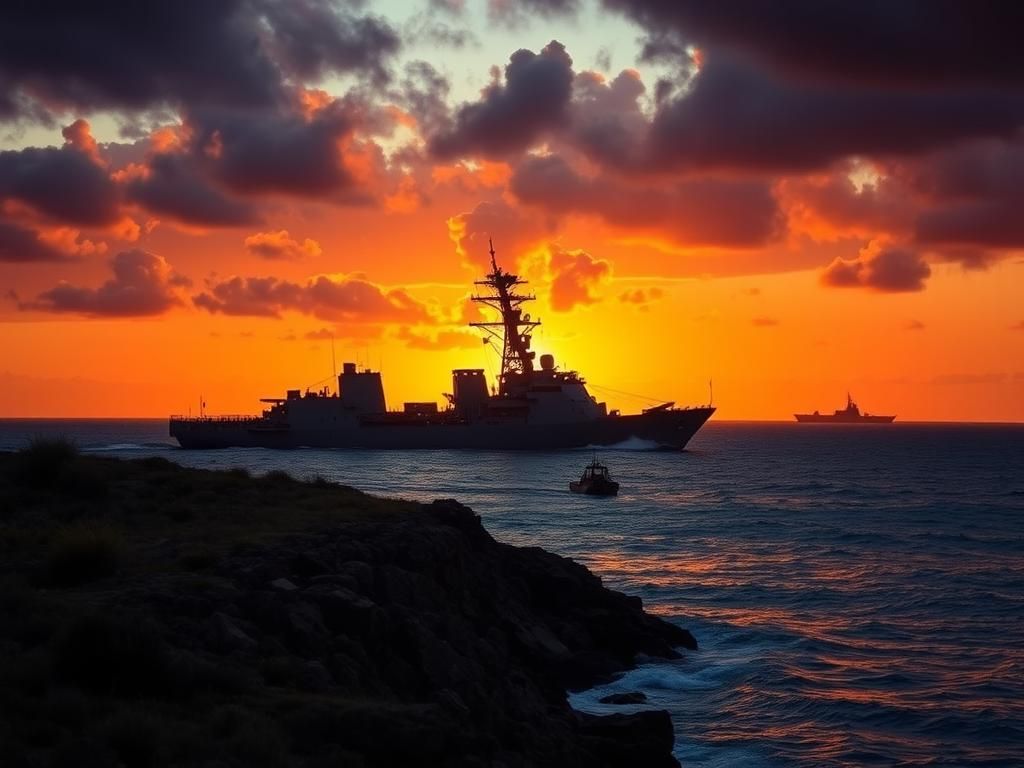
(629, 444)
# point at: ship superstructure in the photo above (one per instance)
(849, 415)
(530, 407)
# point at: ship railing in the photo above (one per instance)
(214, 419)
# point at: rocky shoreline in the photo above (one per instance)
(156, 615)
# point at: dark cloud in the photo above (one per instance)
(698, 211)
(973, 195)
(279, 152)
(509, 117)
(137, 55)
(991, 223)
(918, 42)
(608, 123)
(351, 299)
(424, 92)
(886, 269)
(172, 185)
(575, 275)
(143, 284)
(831, 205)
(22, 245)
(958, 203)
(736, 116)
(764, 322)
(66, 183)
(313, 38)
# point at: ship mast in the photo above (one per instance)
(515, 329)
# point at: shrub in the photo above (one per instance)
(41, 462)
(82, 553)
(278, 476)
(240, 472)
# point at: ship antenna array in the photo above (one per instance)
(515, 328)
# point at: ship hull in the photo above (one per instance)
(667, 429)
(812, 418)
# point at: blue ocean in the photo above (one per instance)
(857, 591)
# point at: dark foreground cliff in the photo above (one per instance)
(154, 615)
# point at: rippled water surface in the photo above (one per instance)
(857, 592)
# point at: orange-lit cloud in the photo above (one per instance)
(280, 245)
(575, 276)
(512, 230)
(347, 298)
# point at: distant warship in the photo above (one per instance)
(530, 409)
(849, 415)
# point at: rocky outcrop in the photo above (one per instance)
(409, 638)
(477, 641)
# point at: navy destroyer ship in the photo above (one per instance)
(849, 415)
(530, 408)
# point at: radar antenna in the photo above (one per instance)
(514, 330)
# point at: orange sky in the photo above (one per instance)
(786, 279)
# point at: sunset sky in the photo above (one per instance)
(794, 200)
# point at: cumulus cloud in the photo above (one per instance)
(575, 275)
(173, 186)
(236, 52)
(67, 184)
(284, 151)
(22, 245)
(143, 284)
(512, 230)
(280, 245)
(348, 298)
(509, 117)
(737, 116)
(916, 42)
(881, 268)
(697, 211)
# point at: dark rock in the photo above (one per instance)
(225, 635)
(408, 637)
(633, 697)
(623, 741)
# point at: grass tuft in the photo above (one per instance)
(41, 462)
(82, 553)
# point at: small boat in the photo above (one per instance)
(595, 481)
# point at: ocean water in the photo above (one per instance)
(857, 592)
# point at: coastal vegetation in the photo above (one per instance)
(154, 615)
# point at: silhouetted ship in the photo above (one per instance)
(849, 415)
(530, 409)
(595, 481)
